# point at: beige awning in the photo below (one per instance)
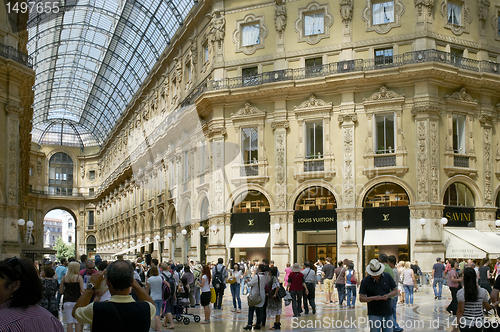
(132, 249)
(384, 237)
(249, 240)
(470, 243)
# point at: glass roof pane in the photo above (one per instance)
(80, 60)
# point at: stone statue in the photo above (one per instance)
(280, 16)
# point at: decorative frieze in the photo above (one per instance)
(422, 162)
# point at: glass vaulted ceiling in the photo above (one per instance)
(91, 59)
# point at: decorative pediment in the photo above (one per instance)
(248, 113)
(461, 95)
(313, 106)
(313, 102)
(384, 94)
(90, 206)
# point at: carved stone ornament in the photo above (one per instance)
(347, 117)
(367, 16)
(483, 12)
(425, 107)
(461, 95)
(466, 18)
(486, 120)
(280, 124)
(248, 110)
(494, 25)
(428, 4)
(280, 16)
(299, 26)
(383, 94)
(346, 11)
(313, 102)
(178, 70)
(217, 28)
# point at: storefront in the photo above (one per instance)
(315, 225)
(386, 222)
(458, 204)
(250, 224)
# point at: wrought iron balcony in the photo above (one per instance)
(385, 161)
(249, 170)
(314, 165)
(461, 161)
(10, 52)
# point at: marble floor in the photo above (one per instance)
(427, 314)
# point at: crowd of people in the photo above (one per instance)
(106, 295)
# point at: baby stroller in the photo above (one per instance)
(181, 309)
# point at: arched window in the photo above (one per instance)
(187, 214)
(251, 201)
(162, 220)
(91, 243)
(204, 209)
(458, 194)
(386, 194)
(315, 198)
(61, 174)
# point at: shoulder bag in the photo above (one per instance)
(255, 298)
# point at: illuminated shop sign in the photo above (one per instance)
(315, 220)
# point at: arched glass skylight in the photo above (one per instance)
(91, 59)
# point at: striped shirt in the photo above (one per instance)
(473, 311)
(31, 319)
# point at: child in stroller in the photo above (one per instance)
(182, 305)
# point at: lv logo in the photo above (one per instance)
(386, 217)
(250, 222)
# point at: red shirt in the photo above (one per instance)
(295, 280)
(82, 272)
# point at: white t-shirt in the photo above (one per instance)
(206, 286)
(155, 283)
(473, 311)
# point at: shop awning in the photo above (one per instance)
(132, 249)
(470, 243)
(38, 250)
(384, 237)
(249, 240)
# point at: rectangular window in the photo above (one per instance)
(92, 175)
(70, 225)
(384, 137)
(172, 174)
(188, 72)
(201, 157)
(383, 56)
(250, 35)
(314, 140)
(185, 167)
(91, 218)
(383, 12)
(250, 75)
(249, 145)
(314, 65)
(205, 53)
(91, 191)
(70, 239)
(58, 230)
(459, 133)
(454, 13)
(31, 171)
(314, 24)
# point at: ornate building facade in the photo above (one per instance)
(298, 130)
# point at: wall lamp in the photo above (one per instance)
(157, 238)
(422, 222)
(201, 229)
(442, 222)
(184, 232)
(277, 227)
(346, 225)
(495, 224)
(214, 229)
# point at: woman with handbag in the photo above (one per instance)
(234, 282)
(274, 303)
(350, 285)
(296, 285)
(205, 292)
(256, 297)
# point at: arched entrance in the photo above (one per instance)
(250, 222)
(315, 225)
(386, 222)
(204, 235)
(458, 204)
(91, 245)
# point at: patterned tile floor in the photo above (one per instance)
(427, 314)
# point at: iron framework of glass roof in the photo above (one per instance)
(91, 59)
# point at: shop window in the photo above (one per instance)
(454, 13)
(60, 174)
(314, 24)
(384, 133)
(314, 65)
(91, 243)
(251, 201)
(315, 198)
(386, 194)
(459, 133)
(383, 12)
(458, 194)
(383, 56)
(91, 175)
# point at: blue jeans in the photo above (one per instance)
(235, 292)
(439, 282)
(351, 296)
(408, 294)
(341, 291)
(380, 323)
(395, 326)
(242, 285)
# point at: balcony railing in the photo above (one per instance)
(314, 166)
(90, 227)
(385, 161)
(357, 65)
(10, 52)
(249, 170)
(461, 161)
(47, 193)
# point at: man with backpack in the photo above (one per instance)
(219, 275)
(169, 286)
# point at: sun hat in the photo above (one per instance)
(296, 267)
(375, 268)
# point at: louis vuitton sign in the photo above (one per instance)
(315, 220)
(386, 217)
(257, 222)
